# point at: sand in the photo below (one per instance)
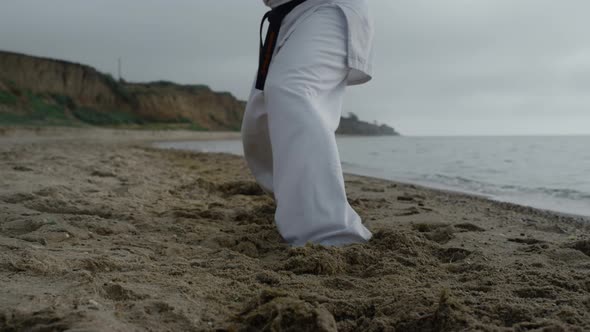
(101, 232)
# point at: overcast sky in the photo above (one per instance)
(453, 67)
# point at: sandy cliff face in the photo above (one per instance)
(196, 103)
(92, 91)
(82, 83)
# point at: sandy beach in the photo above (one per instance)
(99, 231)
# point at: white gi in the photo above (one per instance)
(288, 129)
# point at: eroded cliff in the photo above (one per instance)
(34, 89)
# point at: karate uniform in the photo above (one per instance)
(288, 129)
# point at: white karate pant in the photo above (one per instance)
(289, 138)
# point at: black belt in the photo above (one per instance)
(275, 18)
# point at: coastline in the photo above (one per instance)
(102, 231)
(515, 200)
(501, 202)
(20, 135)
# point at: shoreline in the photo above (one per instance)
(17, 135)
(425, 185)
(434, 187)
(150, 138)
(112, 234)
(583, 219)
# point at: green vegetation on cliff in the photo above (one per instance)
(97, 118)
(39, 91)
(38, 110)
(19, 108)
(351, 125)
(7, 98)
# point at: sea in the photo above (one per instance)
(546, 172)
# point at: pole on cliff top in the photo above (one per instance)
(119, 69)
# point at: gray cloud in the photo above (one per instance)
(443, 67)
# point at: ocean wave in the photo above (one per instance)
(346, 163)
(564, 193)
(472, 185)
(456, 180)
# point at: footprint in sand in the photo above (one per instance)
(547, 292)
(340, 283)
(161, 314)
(528, 241)
(194, 189)
(96, 265)
(530, 244)
(283, 312)
(318, 260)
(213, 214)
(403, 242)
(38, 320)
(257, 241)
(246, 188)
(103, 174)
(21, 168)
(405, 198)
(315, 262)
(444, 232)
(373, 189)
(22, 226)
(116, 292)
(567, 255)
(582, 246)
(261, 215)
(270, 278)
(369, 203)
(452, 255)
(436, 231)
(467, 227)
(18, 198)
(70, 207)
(411, 211)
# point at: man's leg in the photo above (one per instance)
(256, 140)
(303, 96)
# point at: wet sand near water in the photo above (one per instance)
(102, 232)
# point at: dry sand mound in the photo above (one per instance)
(110, 237)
